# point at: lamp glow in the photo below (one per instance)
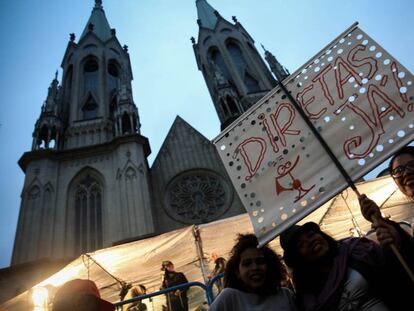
(40, 296)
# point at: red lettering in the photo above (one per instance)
(341, 80)
(306, 102)
(373, 120)
(384, 80)
(252, 151)
(398, 82)
(269, 132)
(320, 77)
(284, 130)
(281, 129)
(361, 62)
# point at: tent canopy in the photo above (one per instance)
(139, 262)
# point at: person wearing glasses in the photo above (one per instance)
(388, 232)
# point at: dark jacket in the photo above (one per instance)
(380, 268)
(177, 300)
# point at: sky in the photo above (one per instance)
(34, 35)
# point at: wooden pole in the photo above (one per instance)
(375, 219)
(341, 169)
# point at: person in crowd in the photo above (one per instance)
(177, 300)
(80, 295)
(219, 267)
(135, 291)
(349, 274)
(252, 280)
(401, 168)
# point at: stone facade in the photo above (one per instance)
(235, 73)
(87, 180)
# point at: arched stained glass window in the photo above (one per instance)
(88, 215)
(251, 83)
(237, 57)
(239, 61)
(217, 58)
(91, 76)
(113, 75)
(232, 105)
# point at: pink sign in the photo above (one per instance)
(358, 97)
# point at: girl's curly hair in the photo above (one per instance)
(276, 271)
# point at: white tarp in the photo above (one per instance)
(139, 262)
(360, 100)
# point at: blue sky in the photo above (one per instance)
(34, 35)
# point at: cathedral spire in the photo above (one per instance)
(98, 4)
(236, 75)
(278, 70)
(52, 95)
(98, 23)
(207, 15)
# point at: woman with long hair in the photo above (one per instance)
(349, 274)
(252, 279)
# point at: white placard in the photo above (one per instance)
(359, 98)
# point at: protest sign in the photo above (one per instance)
(359, 99)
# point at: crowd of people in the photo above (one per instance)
(322, 273)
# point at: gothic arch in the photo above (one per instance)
(232, 105)
(126, 124)
(89, 108)
(113, 104)
(241, 64)
(131, 187)
(49, 187)
(90, 73)
(215, 56)
(114, 71)
(129, 170)
(84, 222)
(67, 84)
(114, 51)
(30, 215)
(207, 40)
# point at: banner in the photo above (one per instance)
(358, 97)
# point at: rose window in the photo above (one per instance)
(197, 197)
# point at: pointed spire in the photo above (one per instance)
(98, 4)
(98, 23)
(278, 70)
(52, 94)
(207, 15)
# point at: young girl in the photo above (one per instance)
(252, 280)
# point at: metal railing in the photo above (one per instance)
(208, 290)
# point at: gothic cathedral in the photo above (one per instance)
(88, 184)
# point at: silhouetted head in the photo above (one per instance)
(306, 245)
(80, 295)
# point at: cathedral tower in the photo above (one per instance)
(87, 182)
(235, 73)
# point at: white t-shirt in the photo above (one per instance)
(231, 299)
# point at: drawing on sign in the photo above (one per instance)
(294, 184)
(358, 98)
